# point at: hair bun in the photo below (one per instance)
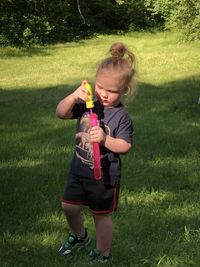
(118, 50)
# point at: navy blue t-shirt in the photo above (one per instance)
(116, 122)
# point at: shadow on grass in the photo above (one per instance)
(36, 151)
(46, 50)
(23, 52)
(166, 148)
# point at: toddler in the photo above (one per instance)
(114, 133)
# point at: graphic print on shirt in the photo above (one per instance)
(84, 149)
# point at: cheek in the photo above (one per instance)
(97, 92)
(114, 96)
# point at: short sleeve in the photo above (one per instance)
(78, 110)
(125, 129)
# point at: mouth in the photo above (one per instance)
(100, 99)
(104, 101)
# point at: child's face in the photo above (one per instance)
(108, 88)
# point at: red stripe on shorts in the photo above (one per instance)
(73, 202)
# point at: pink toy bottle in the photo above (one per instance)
(96, 150)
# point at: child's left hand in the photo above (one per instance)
(97, 135)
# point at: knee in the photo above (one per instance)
(96, 217)
(70, 209)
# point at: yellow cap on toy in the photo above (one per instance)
(89, 103)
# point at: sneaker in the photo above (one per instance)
(96, 255)
(73, 242)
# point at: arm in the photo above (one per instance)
(65, 106)
(117, 145)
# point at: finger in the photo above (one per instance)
(84, 91)
(95, 128)
(83, 94)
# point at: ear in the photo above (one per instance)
(127, 90)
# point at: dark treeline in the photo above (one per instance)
(28, 22)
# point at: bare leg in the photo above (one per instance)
(74, 218)
(103, 226)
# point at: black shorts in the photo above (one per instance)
(100, 197)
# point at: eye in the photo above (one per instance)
(112, 92)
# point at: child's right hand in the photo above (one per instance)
(81, 93)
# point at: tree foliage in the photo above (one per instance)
(183, 15)
(28, 22)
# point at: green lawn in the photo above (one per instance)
(158, 223)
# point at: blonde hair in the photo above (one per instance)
(123, 61)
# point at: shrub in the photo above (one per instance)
(183, 15)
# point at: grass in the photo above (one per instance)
(158, 223)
